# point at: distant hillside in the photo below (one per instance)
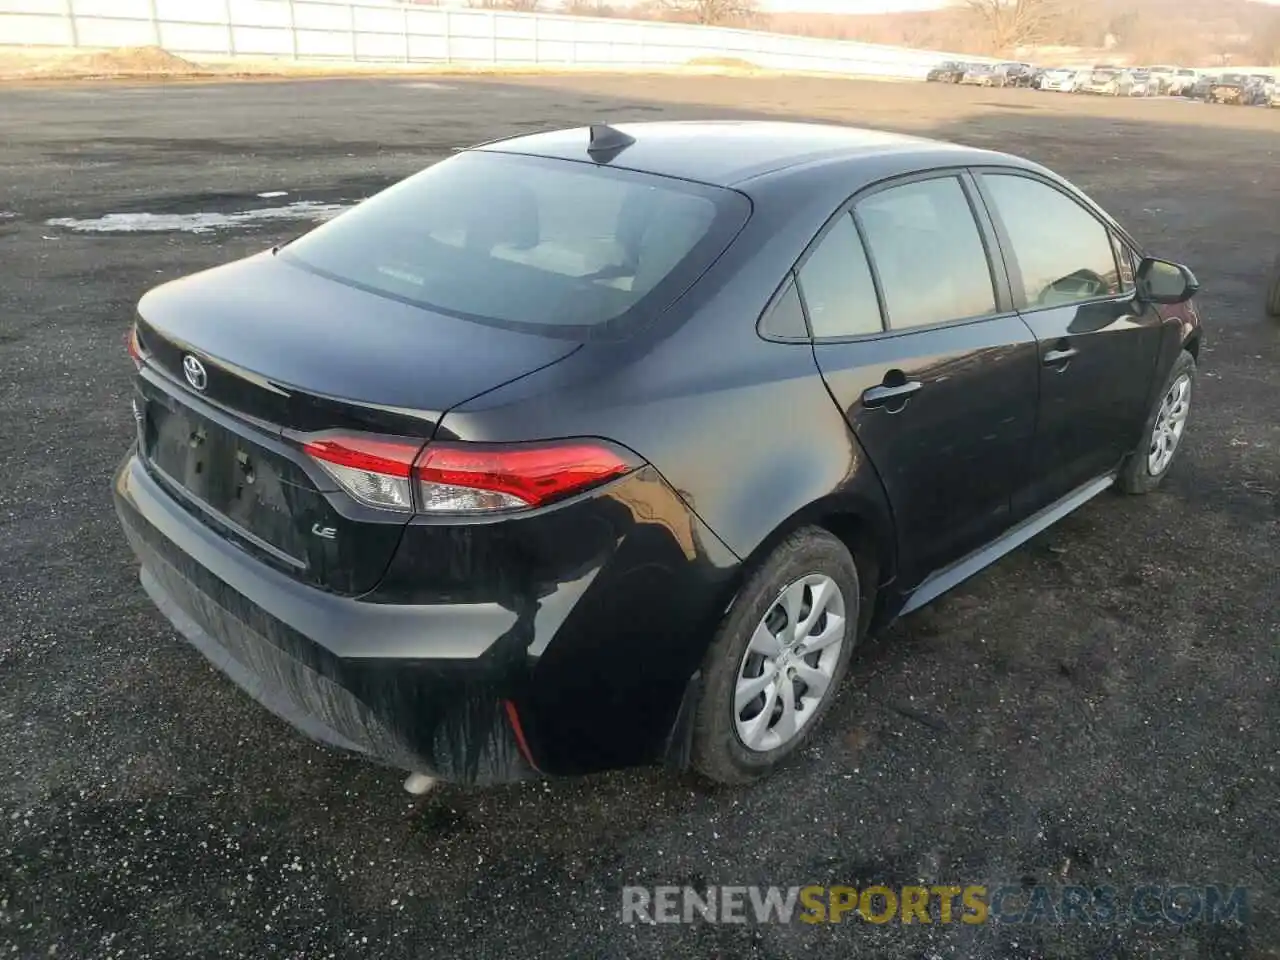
(1191, 32)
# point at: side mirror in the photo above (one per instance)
(1162, 281)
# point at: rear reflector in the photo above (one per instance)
(464, 478)
(374, 470)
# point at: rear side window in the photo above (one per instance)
(836, 284)
(785, 316)
(550, 246)
(1062, 251)
(928, 253)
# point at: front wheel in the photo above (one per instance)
(1162, 434)
(778, 658)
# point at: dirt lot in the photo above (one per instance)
(1100, 708)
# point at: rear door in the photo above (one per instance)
(1097, 348)
(916, 339)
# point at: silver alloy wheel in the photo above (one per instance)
(1170, 422)
(788, 665)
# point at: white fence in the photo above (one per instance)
(372, 31)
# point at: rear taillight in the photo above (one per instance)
(480, 478)
(465, 478)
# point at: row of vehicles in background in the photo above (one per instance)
(1238, 88)
(1117, 81)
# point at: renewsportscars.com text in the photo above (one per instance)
(1177, 904)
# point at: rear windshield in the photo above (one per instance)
(552, 246)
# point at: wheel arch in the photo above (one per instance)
(1192, 344)
(862, 525)
(865, 527)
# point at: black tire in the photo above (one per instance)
(1273, 291)
(1135, 476)
(718, 752)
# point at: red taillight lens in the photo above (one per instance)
(469, 478)
(464, 478)
(133, 346)
(374, 470)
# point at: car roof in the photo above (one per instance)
(727, 152)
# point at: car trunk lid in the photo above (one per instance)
(243, 361)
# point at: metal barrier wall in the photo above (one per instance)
(372, 31)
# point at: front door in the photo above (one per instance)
(1097, 348)
(935, 376)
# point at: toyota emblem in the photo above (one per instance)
(195, 372)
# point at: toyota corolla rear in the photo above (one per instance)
(307, 518)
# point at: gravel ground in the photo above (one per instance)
(1098, 708)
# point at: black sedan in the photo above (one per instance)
(949, 71)
(606, 447)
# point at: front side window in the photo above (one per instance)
(548, 246)
(1063, 253)
(836, 284)
(928, 253)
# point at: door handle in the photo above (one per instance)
(1055, 358)
(883, 395)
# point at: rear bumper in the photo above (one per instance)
(547, 679)
(445, 715)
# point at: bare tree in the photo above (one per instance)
(588, 8)
(710, 11)
(1264, 45)
(1016, 23)
(523, 6)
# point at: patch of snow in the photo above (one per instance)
(197, 222)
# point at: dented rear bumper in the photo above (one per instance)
(560, 643)
(325, 663)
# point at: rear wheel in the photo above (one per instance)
(778, 658)
(1162, 436)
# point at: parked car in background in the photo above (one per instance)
(1105, 81)
(1184, 79)
(949, 71)
(1063, 79)
(1135, 83)
(1203, 84)
(1017, 74)
(1265, 86)
(981, 75)
(1162, 77)
(1237, 89)
(1273, 98)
